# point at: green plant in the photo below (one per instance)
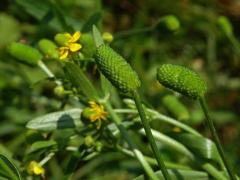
(188, 83)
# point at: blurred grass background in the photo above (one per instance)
(199, 44)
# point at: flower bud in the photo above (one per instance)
(59, 91)
(88, 45)
(89, 141)
(168, 23)
(61, 39)
(107, 37)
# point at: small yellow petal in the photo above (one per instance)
(35, 168)
(64, 54)
(75, 37)
(74, 47)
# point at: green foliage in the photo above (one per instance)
(41, 105)
(88, 45)
(57, 120)
(80, 81)
(7, 169)
(181, 174)
(175, 106)
(182, 80)
(116, 69)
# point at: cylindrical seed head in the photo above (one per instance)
(182, 80)
(24, 53)
(115, 68)
(48, 48)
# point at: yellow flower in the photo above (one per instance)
(71, 45)
(35, 168)
(97, 113)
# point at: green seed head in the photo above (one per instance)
(24, 53)
(48, 48)
(182, 80)
(116, 69)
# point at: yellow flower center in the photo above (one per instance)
(35, 168)
(98, 113)
(71, 45)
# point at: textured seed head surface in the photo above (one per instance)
(24, 53)
(116, 69)
(182, 80)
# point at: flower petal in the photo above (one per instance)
(75, 37)
(64, 54)
(74, 47)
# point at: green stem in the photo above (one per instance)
(131, 144)
(235, 43)
(215, 138)
(149, 135)
(48, 72)
(132, 32)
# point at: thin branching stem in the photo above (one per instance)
(149, 135)
(215, 138)
(131, 144)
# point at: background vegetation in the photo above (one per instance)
(200, 43)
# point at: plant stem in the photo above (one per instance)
(124, 34)
(48, 72)
(131, 144)
(149, 135)
(215, 137)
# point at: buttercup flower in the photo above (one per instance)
(70, 44)
(34, 168)
(95, 113)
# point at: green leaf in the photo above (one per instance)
(39, 145)
(35, 8)
(94, 19)
(41, 10)
(7, 169)
(57, 120)
(97, 36)
(200, 146)
(80, 81)
(10, 28)
(180, 175)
